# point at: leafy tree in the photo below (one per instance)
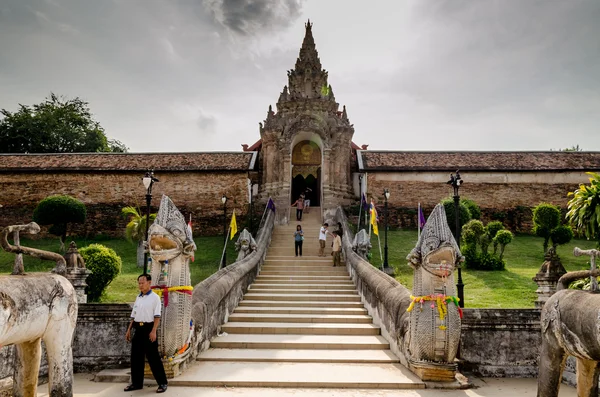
(105, 265)
(136, 230)
(573, 149)
(584, 209)
(57, 125)
(546, 217)
(476, 240)
(59, 211)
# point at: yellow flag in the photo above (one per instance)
(233, 226)
(374, 220)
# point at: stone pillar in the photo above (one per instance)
(77, 277)
(76, 272)
(547, 277)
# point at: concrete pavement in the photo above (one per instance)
(486, 387)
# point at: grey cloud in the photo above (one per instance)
(251, 17)
(207, 122)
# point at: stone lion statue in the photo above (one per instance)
(245, 245)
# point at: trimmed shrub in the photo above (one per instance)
(474, 209)
(105, 265)
(561, 235)
(546, 217)
(59, 211)
(464, 214)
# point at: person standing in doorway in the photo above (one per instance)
(145, 318)
(307, 199)
(298, 240)
(337, 249)
(299, 204)
(322, 239)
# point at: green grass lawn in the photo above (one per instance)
(124, 287)
(511, 288)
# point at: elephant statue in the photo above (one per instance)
(570, 325)
(36, 307)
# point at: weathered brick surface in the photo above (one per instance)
(510, 203)
(196, 193)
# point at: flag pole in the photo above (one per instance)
(224, 247)
(380, 254)
(419, 222)
(359, 214)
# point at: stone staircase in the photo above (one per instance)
(301, 324)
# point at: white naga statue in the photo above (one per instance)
(435, 316)
(245, 245)
(33, 308)
(171, 245)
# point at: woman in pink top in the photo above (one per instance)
(299, 204)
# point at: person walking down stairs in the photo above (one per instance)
(298, 240)
(299, 204)
(323, 238)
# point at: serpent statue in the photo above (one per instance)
(571, 326)
(245, 245)
(170, 246)
(362, 244)
(435, 317)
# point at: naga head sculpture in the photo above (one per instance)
(245, 242)
(436, 250)
(169, 236)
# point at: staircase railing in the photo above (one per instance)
(217, 296)
(384, 297)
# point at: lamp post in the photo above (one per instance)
(386, 193)
(148, 180)
(360, 178)
(456, 181)
(224, 201)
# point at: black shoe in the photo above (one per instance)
(161, 388)
(133, 387)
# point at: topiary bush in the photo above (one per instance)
(474, 209)
(59, 211)
(464, 214)
(105, 265)
(546, 217)
(475, 236)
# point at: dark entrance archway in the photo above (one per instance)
(308, 185)
(306, 172)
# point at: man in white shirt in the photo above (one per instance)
(145, 318)
(322, 239)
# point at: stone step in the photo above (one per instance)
(278, 278)
(298, 356)
(300, 304)
(300, 318)
(300, 328)
(304, 286)
(301, 310)
(299, 290)
(298, 264)
(298, 375)
(289, 341)
(292, 272)
(250, 296)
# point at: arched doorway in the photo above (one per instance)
(306, 172)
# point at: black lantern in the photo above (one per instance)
(456, 181)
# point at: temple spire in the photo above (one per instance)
(309, 57)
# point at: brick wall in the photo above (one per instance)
(104, 194)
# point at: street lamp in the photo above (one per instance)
(224, 201)
(148, 180)
(360, 178)
(386, 193)
(455, 181)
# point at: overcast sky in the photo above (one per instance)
(198, 75)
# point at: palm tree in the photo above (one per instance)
(584, 208)
(136, 230)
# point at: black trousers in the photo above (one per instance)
(142, 348)
(298, 214)
(298, 247)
